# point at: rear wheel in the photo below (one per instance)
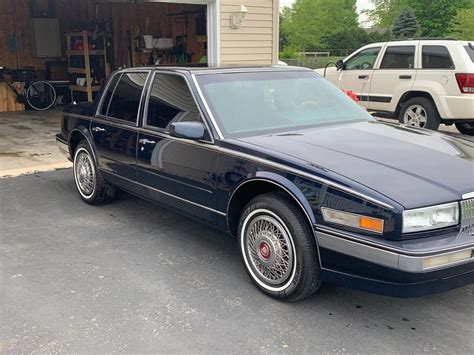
(278, 248)
(420, 112)
(466, 128)
(90, 184)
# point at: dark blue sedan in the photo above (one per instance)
(312, 186)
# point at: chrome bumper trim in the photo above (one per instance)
(387, 258)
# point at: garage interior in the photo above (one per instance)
(76, 44)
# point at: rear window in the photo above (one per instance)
(436, 57)
(470, 52)
(398, 57)
(126, 97)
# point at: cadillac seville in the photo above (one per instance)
(313, 187)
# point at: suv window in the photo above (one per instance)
(436, 57)
(126, 97)
(108, 94)
(170, 101)
(363, 60)
(470, 52)
(398, 57)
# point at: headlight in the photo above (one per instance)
(428, 218)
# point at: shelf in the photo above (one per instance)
(83, 88)
(72, 70)
(91, 52)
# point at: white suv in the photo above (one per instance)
(422, 82)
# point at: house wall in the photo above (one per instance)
(256, 42)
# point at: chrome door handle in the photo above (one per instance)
(98, 129)
(146, 141)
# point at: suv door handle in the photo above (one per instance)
(98, 129)
(405, 76)
(146, 141)
(363, 76)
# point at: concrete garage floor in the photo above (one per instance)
(134, 277)
(27, 142)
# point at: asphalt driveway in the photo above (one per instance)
(134, 277)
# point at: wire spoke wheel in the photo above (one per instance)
(415, 116)
(269, 249)
(41, 95)
(84, 173)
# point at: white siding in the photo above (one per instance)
(256, 42)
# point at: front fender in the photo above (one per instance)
(284, 184)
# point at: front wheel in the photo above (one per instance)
(420, 112)
(90, 184)
(466, 128)
(278, 248)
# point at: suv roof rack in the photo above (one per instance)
(427, 39)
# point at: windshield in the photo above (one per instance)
(249, 104)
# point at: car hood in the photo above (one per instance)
(413, 167)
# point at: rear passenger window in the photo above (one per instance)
(170, 101)
(436, 57)
(399, 57)
(126, 97)
(108, 94)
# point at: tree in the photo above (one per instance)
(309, 22)
(385, 12)
(462, 26)
(435, 16)
(405, 25)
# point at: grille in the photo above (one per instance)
(467, 216)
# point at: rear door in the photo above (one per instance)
(177, 172)
(394, 76)
(358, 71)
(115, 127)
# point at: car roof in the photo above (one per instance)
(218, 70)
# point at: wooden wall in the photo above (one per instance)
(78, 14)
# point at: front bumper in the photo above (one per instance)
(63, 146)
(396, 271)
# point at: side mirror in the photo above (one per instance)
(188, 130)
(340, 65)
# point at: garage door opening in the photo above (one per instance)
(77, 44)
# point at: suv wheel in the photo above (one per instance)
(420, 112)
(89, 182)
(466, 128)
(278, 248)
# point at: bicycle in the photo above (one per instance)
(40, 95)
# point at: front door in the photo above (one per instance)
(176, 172)
(115, 129)
(358, 72)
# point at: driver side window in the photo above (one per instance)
(364, 60)
(170, 101)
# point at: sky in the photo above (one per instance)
(361, 5)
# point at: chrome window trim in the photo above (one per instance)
(147, 100)
(206, 106)
(119, 120)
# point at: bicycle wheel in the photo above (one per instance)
(41, 95)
